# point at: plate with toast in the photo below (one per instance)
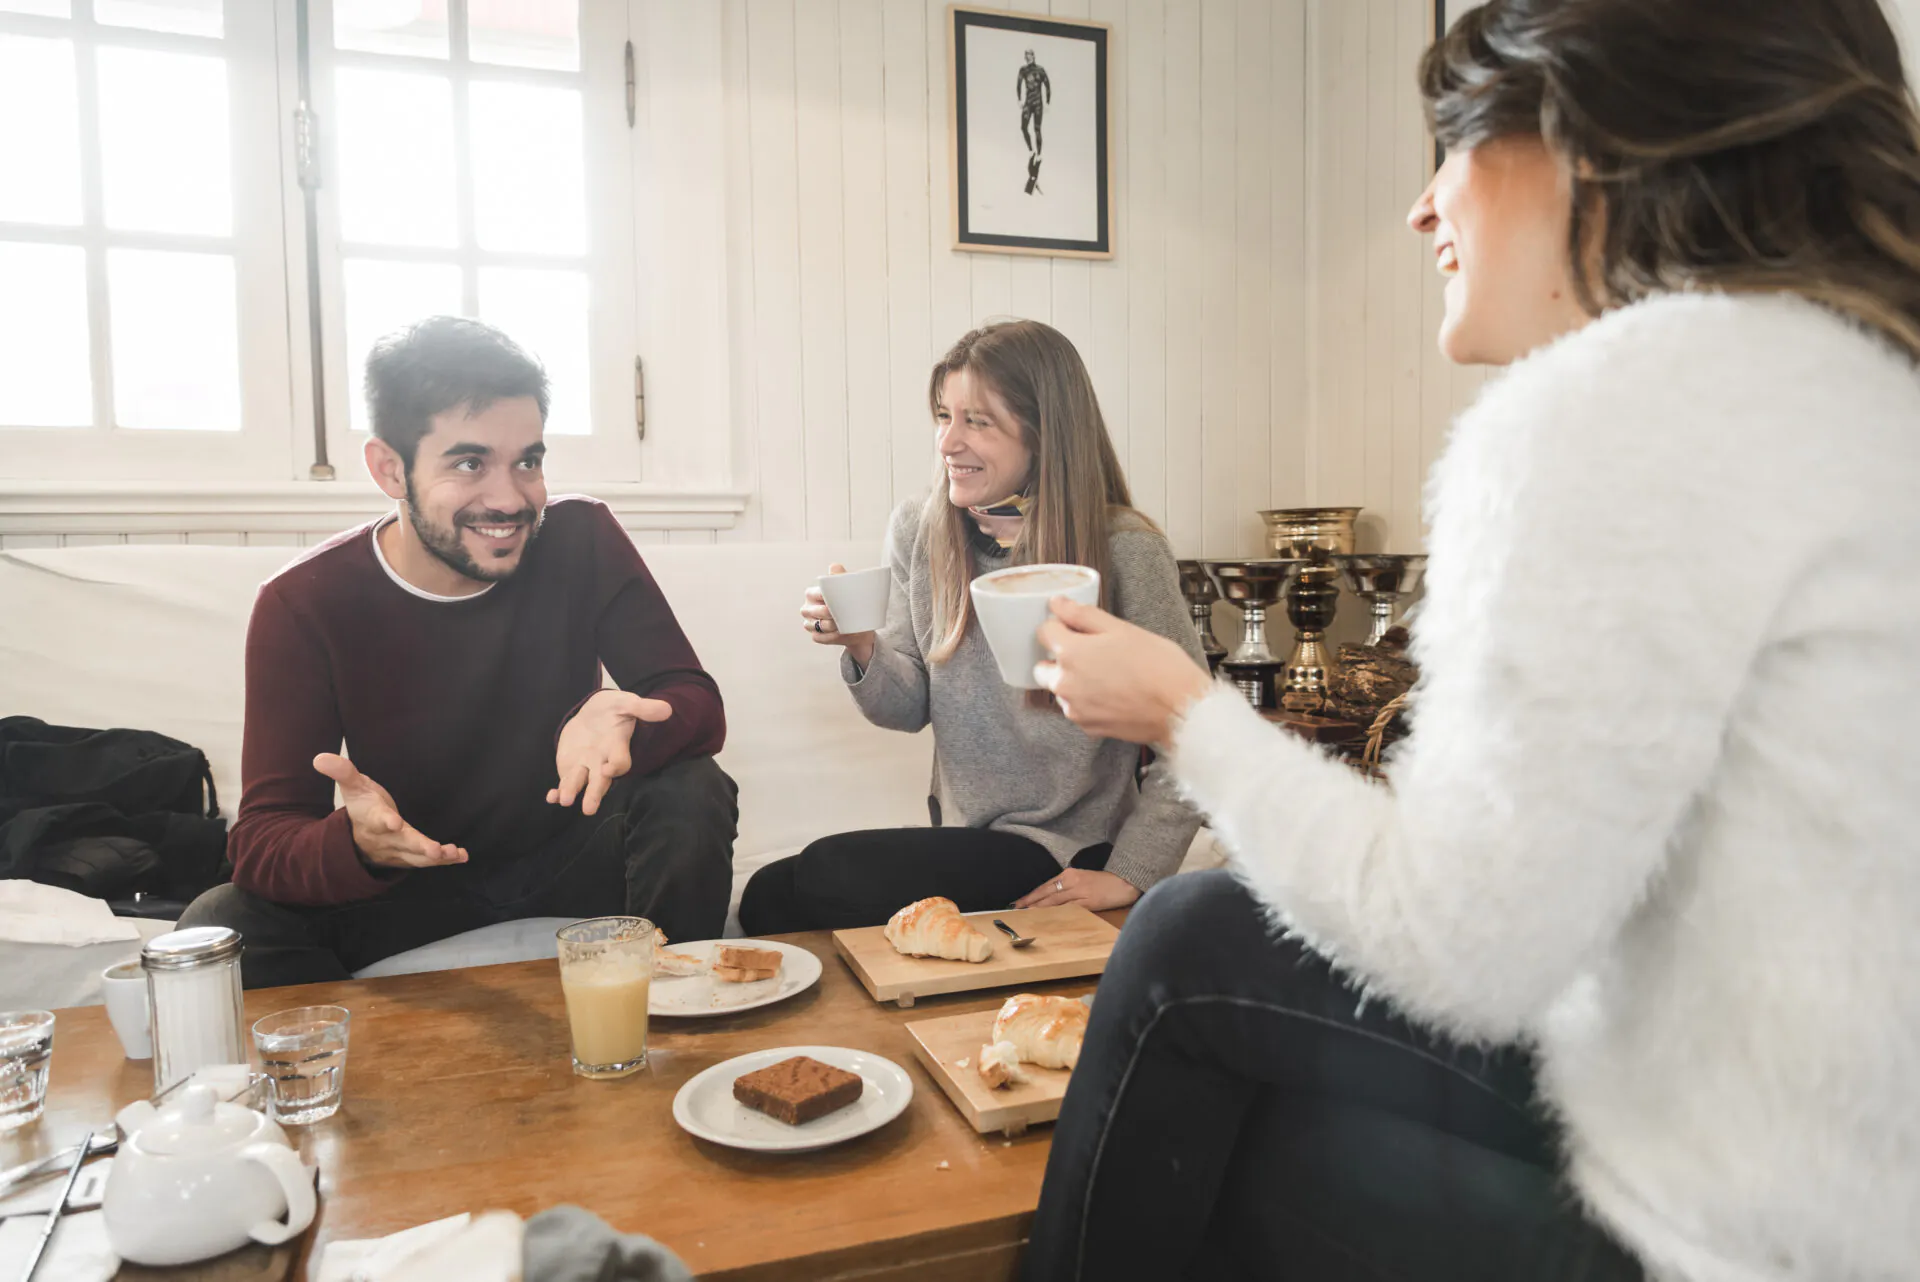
(721, 976)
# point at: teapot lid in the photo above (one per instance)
(198, 1124)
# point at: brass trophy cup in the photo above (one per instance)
(1254, 587)
(1197, 587)
(1316, 534)
(1381, 579)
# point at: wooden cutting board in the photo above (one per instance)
(940, 1044)
(1068, 942)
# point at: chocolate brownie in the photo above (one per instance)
(797, 1090)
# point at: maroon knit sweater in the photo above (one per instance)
(453, 706)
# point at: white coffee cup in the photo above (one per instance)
(1011, 605)
(858, 598)
(126, 992)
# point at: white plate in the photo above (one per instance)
(706, 1107)
(691, 996)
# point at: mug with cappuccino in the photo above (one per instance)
(1011, 605)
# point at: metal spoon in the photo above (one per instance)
(100, 1144)
(1019, 940)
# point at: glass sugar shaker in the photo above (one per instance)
(193, 1001)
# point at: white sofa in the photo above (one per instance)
(151, 636)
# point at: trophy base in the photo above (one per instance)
(1257, 681)
(1305, 682)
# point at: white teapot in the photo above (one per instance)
(198, 1178)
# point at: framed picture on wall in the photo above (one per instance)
(1028, 121)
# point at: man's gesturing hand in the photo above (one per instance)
(596, 746)
(380, 834)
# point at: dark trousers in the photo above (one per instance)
(863, 878)
(661, 847)
(1236, 1113)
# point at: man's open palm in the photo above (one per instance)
(380, 834)
(596, 747)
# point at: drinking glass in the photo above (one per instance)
(606, 971)
(26, 1050)
(303, 1053)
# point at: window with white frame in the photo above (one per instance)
(155, 288)
(143, 314)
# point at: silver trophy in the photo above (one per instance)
(1254, 587)
(1196, 585)
(1382, 579)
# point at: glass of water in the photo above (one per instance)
(26, 1049)
(303, 1053)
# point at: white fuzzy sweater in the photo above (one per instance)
(1659, 815)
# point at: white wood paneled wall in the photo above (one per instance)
(845, 288)
(1382, 397)
(1264, 336)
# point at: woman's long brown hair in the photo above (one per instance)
(1079, 493)
(1743, 146)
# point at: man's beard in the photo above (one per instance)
(444, 540)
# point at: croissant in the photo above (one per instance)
(935, 928)
(1000, 1066)
(1045, 1030)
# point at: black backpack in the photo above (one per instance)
(116, 814)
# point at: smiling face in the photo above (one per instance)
(1499, 215)
(981, 444)
(476, 490)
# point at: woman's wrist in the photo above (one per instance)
(860, 649)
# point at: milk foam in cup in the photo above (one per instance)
(1011, 605)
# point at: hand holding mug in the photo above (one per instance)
(818, 620)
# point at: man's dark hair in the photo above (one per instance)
(442, 363)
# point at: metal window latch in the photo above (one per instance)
(306, 147)
(630, 84)
(639, 398)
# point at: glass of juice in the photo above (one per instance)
(606, 970)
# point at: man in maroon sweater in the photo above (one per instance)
(456, 650)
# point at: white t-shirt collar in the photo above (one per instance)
(381, 556)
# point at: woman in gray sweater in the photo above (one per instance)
(1026, 808)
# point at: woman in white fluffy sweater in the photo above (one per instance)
(1635, 921)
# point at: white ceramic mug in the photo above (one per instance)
(858, 598)
(1011, 605)
(125, 985)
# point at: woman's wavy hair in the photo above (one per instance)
(1079, 493)
(1734, 145)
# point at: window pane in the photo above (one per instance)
(529, 188)
(45, 373)
(42, 8)
(188, 17)
(546, 313)
(381, 298)
(176, 361)
(525, 33)
(417, 27)
(396, 158)
(39, 132)
(164, 143)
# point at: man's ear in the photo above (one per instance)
(388, 469)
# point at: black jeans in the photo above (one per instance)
(660, 848)
(1237, 1113)
(863, 878)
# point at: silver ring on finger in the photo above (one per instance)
(817, 625)
(1059, 885)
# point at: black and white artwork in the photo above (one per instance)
(1030, 137)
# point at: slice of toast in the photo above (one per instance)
(745, 957)
(743, 974)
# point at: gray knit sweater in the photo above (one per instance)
(1001, 764)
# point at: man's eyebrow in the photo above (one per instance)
(537, 450)
(460, 449)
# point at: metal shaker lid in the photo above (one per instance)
(195, 946)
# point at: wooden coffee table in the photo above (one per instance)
(460, 1097)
